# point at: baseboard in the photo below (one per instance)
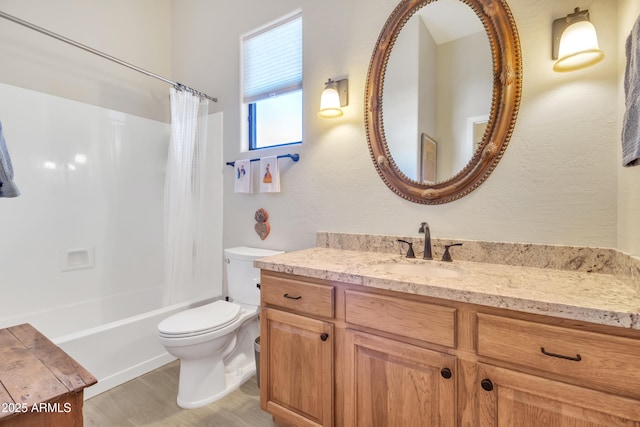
(122, 377)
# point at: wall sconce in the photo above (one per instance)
(575, 43)
(334, 96)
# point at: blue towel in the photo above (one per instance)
(631, 121)
(7, 187)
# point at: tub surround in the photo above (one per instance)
(584, 284)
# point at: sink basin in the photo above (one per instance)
(424, 269)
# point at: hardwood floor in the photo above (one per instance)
(150, 400)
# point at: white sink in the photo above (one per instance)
(421, 269)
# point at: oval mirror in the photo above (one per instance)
(442, 94)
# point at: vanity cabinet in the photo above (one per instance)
(507, 397)
(581, 377)
(391, 382)
(298, 355)
(355, 356)
(398, 384)
(296, 352)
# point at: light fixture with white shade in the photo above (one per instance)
(334, 97)
(575, 43)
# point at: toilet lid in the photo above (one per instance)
(200, 320)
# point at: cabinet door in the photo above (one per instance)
(392, 384)
(508, 398)
(296, 362)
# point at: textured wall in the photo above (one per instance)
(138, 32)
(628, 178)
(556, 183)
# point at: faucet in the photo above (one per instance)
(424, 228)
(410, 253)
(446, 256)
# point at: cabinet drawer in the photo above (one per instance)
(407, 318)
(590, 357)
(304, 297)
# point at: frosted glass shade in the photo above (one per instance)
(578, 47)
(330, 103)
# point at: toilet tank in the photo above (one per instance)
(242, 276)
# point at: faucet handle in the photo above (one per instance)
(410, 253)
(446, 256)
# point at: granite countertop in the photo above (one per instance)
(591, 297)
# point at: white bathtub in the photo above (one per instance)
(114, 338)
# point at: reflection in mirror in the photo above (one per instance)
(437, 91)
(442, 172)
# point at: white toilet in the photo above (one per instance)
(214, 342)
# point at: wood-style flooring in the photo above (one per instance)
(150, 400)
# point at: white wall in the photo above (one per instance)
(138, 32)
(57, 101)
(556, 183)
(628, 178)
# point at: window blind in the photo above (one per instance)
(272, 60)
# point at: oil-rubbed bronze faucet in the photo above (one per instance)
(410, 253)
(446, 256)
(424, 228)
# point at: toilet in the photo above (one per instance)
(215, 342)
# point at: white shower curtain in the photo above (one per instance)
(184, 196)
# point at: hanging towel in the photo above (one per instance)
(242, 177)
(269, 175)
(7, 187)
(631, 121)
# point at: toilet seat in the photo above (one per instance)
(200, 320)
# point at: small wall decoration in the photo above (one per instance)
(262, 226)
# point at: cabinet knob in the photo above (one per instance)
(446, 373)
(324, 336)
(486, 384)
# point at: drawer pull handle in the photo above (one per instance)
(577, 358)
(446, 373)
(290, 297)
(324, 336)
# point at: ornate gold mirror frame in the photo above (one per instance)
(507, 87)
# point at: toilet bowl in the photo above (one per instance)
(214, 342)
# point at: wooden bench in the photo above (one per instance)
(40, 385)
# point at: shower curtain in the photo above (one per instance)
(184, 214)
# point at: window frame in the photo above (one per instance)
(250, 107)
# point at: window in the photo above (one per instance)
(272, 83)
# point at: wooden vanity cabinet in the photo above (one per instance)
(396, 359)
(297, 384)
(297, 351)
(397, 384)
(392, 382)
(332, 355)
(555, 375)
(507, 397)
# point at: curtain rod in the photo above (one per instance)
(103, 55)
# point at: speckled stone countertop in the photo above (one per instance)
(580, 295)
